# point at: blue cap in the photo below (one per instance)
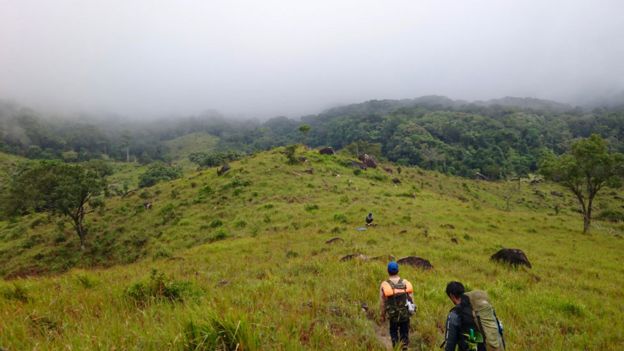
(393, 268)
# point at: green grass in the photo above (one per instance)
(250, 266)
(7, 164)
(179, 148)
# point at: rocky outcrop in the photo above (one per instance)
(514, 257)
(415, 261)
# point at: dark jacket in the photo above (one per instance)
(458, 323)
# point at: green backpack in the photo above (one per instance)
(396, 305)
(485, 318)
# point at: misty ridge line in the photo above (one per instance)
(11, 107)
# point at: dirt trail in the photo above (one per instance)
(381, 332)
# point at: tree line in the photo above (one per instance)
(497, 141)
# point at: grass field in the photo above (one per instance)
(179, 148)
(243, 257)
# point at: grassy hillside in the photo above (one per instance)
(249, 246)
(7, 162)
(179, 148)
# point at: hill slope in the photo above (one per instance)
(250, 246)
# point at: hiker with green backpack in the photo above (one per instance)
(397, 304)
(472, 324)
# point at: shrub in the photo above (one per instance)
(16, 292)
(240, 224)
(205, 191)
(45, 325)
(86, 281)
(215, 223)
(340, 217)
(157, 172)
(162, 252)
(37, 222)
(218, 235)
(204, 159)
(291, 154)
(168, 214)
(611, 216)
(311, 207)
(221, 334)
(159, 288)
(236, 183)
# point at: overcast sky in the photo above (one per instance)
(291, 57)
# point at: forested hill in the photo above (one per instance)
(498, 138)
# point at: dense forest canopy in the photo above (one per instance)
(499, 138)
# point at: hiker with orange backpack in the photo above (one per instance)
(396, 296)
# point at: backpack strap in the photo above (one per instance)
(392, 286)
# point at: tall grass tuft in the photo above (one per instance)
(220, 334)
(16, 292)
(159, 288)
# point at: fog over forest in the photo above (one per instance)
(149, 58)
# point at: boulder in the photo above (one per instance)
(327, 151)
(359, 165)
(368, 160)
(383, 258)
(223, 169)
(415, 261)
(354, 256)
(334, 240)
(514, 257)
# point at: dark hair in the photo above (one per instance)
(455, 288)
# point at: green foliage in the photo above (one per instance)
(585, 170)
(218, 235)
(215, 223)
(237, 183)
(611, 216)
(340, 218)
(86, 281)
(16, 292)
(213, 159)
(59, 188)
(219, 333)
(290, 152)
(361, 147)
(168, 214)
(311, 207)
(158, 172)
(159, 287)
(290, 285)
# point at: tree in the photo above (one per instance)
(125, 143)
(213, 159)
(157, 172)
(59, 188)
(584, 170)
(304, 129)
